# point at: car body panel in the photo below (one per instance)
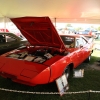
(40, 63)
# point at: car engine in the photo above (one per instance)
(38, 56)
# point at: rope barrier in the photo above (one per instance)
(28, 92)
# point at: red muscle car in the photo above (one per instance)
(47, 57)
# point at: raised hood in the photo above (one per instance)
(39, 31)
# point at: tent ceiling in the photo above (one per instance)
(74, 11)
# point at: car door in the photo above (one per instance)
(83, 49)
(3, 48)
(79, 50)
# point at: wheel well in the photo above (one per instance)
(70, 66)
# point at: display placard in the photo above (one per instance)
(79, 73)
(62, 84)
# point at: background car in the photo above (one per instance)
(9, 41)
(89, 31)
(98, 34)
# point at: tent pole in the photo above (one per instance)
(55, 21)
(5, 24)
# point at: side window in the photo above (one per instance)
(10, 38)
(2, 38)
(80, 42)
(84, 41)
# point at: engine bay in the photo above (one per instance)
(35, 54)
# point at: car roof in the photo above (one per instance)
(9, 33)
(6, 33)
(72, 35)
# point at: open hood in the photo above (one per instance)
(39, 31)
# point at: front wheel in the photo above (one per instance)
(88, 59)
(68, 72)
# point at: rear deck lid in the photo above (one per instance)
(39, 31)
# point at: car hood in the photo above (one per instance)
(39, 31)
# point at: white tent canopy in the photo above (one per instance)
(70, 11)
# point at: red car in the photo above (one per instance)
(48, 56)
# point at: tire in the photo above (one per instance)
(88, 59)
(67, 72)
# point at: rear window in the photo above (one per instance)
(68, 41)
